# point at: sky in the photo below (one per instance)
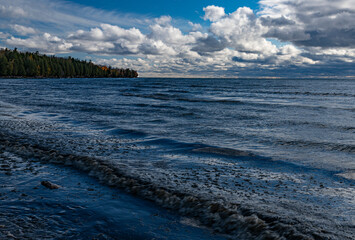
(190, 38)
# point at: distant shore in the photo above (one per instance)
(26, 77)
(34, 65)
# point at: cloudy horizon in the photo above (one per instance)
(274, 38)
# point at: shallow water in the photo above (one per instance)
(81, 208)
(277, 154)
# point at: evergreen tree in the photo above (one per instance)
(14, 63)
(21, 68)
(3, 65)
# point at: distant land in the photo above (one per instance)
(15, 64)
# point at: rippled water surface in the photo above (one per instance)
(281, 151)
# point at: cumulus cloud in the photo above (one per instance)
(316, 23)
(162, 39)
(195, 26)
(22, 30)
(243, 31)
(163, 20)
(45, 43)
(276, 21)
(308, 35)
(110, 39)
(208, 44)
(213, 13)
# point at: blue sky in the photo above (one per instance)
(180, 38)
(187, 9)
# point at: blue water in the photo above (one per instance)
(209, 137)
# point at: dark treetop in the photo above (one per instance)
(18, 64)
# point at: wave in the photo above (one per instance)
(6, 105)
(312, 124)
(306, 93)
(160, 106)
(161, 96)
(239, 222)
(127, 132)
(265, 140)
(347, 148)
(178, 91)
(185, 147)
(231, 100)
(271, 140)
(224, 151)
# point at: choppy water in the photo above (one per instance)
(278, 155)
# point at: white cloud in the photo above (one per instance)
(4, 35)
(163, 20)
(316, 23)
(45, 43)
(228, 44)
(163, 39)
(22, 30)
(60, 15)
(291, 54)
(169, 34)
(11, 11)
(213, 13)
(195, 26)
(243, 31)
(109, 39)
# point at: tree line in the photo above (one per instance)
(26, 64)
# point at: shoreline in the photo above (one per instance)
(232, 220)
(236, 221)
(81, 207)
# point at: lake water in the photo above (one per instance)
(253, 158)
